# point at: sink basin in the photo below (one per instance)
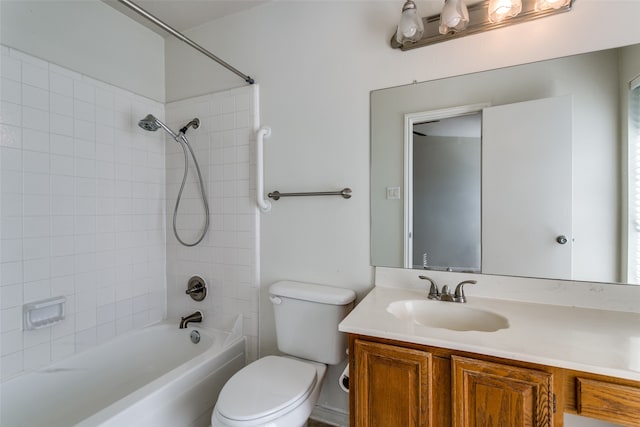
(447, 315)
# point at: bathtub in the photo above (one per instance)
(149, 377)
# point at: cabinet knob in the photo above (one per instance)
(562, 239)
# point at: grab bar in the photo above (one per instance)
(345, 193)
(264, 204)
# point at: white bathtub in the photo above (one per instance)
(150, 377)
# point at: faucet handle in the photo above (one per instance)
(458, 295)
(434, 293)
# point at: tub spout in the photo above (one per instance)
(195, 317)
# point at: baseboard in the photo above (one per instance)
(330, 416)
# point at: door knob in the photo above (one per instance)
(561, 239)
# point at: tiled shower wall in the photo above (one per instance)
(227, 257)
(82, 210)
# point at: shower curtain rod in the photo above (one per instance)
(131, 5)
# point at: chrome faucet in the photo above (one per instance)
(434, 293)
(445, 295)
(192, 318)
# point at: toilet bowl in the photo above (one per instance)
(281, 391)
(275, 391)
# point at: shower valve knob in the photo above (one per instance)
(196, 288)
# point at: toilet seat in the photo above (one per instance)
(266, 389)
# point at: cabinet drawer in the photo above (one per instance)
(607, 401)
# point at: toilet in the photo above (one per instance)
(281, 391)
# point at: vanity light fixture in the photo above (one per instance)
(500, 10)
(458, 20)
(454, 16)
(410, 28)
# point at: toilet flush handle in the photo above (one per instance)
(276, 300)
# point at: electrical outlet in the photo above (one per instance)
(393, 193)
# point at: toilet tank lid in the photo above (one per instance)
(312, 292)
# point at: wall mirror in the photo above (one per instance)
(520, 171)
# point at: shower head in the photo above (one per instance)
(149, 123)
(152, 124)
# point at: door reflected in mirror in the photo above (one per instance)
(581, 184)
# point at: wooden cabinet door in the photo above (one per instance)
(487, 394)
(392, 386)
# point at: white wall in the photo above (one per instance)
(316, 63)
(89, 37)
(81, 210)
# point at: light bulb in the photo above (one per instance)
(410, 28)
(501, 9)
(551, 4)
(454, 16)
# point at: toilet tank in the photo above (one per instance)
(307, 317)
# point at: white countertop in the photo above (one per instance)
(590, 340)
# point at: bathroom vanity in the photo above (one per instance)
(546, 361)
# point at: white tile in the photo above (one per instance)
(61, 104)
(11, 364)
(62, 125)
(10, 91)
(36, 226)
(10, 136)
(62, 165)
(11, 205)
(10, 68)
(84, 225)
(37, 356)
(10, 159)
(62, 246)
(10, 228)
(104, 98)
(63, 285)
(35, 75)
(10, 275)
(85, 319)
(84, 111)
(85, 168)
(62, 205)
(10, 250)
(11, 183)
(61, 267)
(37, 205)
(34, 161)
(63, 225)
(36, 291)
(35, 97)
(84, 91)
(62, 185)
(85, 149)
(10, 113)
(61, 84)
(36, 183)
(62, 145)
(35, 140)
(37, 269)
(36, 248)
(10, 342)
(84, 130)
(33, 118)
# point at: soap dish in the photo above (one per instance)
(43, 313)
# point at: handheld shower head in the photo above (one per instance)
(149, 123)
(152, 124)
(195, 123)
